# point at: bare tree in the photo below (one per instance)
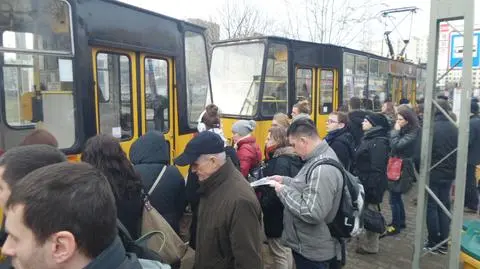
(239, 19)
(338, 22)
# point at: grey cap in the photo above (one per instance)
(243, 127)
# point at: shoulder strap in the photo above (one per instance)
(157, 180)
(122, 230)
(327, 161)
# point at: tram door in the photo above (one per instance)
(320, 87)
(326, 98)
(115, 75)
(157, 97)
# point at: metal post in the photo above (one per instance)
(426, 148)
(444, 10)
(463, 133)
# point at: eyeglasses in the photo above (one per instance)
(331, 121)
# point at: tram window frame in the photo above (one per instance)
(271, 63)
(166, 120)
(36, 72)
(131, 122)
(193, 115)
(249, 54)
(321, 104)
(297, 77)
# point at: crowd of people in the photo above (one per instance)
(65, 215)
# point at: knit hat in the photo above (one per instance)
(243, 127)
(378, 119)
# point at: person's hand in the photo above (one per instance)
(278, 179)
(397, 126)
(278, 186)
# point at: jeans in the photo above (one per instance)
(398, 209)
(471, 191)
(304, 263)
(438, 223)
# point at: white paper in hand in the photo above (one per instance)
(262, 181)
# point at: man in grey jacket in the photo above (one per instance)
(310, 203)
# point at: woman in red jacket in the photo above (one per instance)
(248, 151)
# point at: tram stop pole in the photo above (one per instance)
(445, 11)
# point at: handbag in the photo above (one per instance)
(394, 168)
(168, 245)
(373, 220)
(256, 173)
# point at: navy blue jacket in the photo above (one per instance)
(149, 154)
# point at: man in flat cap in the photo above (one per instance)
(229, 216)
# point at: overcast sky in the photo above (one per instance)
(278, 9)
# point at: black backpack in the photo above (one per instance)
(347, 221)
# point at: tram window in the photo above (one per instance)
(156, 94)
(276, 81)
(235, 72)
(348, 64)
(326, 91)
(115, 111)
(361, 65)
(377, 81)
(38, 88)
(348, 88)
(48, 22)
(198, 84)
(303, 84)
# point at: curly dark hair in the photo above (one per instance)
(105, 153)
(411, 117)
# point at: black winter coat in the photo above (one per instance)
(371, 160)
(474, 141)
(149, 154)
(343, 143)
(402, 144)
(445, 139)
(355, 119)
(284, 162)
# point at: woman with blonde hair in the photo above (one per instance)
(282, 160)
(281, 120)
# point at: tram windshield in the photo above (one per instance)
(36, 50)
(235, 74)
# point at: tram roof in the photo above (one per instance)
(22, 4)
(289, 40)
(117, 2)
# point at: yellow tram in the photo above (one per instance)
(79, 68)
(255, 78)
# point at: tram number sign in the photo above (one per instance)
(456, 50)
